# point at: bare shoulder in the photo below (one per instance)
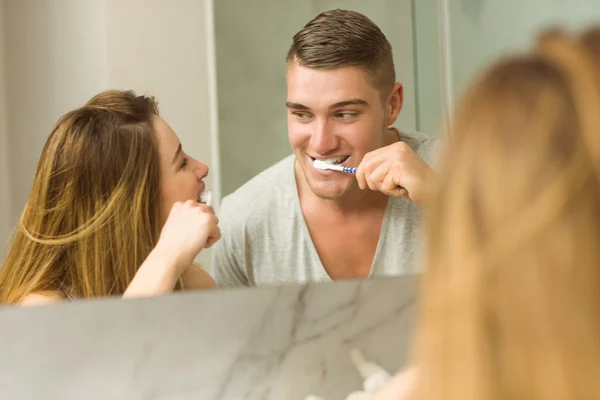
(42, 298)
(195, 277)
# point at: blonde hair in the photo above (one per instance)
(93, 213)
(511, 293)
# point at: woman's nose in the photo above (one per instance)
(201, 170)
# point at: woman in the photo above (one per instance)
(510, 307)
(114, 209)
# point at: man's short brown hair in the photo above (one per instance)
(343, 38)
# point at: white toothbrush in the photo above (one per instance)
(320, 164)
(206, 197)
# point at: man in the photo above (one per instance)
(293, 223)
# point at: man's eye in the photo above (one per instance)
(302, 116)
(346, 115)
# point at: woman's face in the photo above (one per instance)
(181, 175)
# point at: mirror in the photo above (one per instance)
(223, 95)
(218, 71)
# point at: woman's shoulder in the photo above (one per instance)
(42, 298)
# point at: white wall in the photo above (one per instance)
(483, 30)
(59, 53)
(4, 163)
(54, 60)
(159, 47)
(428, 93)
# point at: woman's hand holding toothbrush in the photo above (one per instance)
(190, 227)
(397, 170)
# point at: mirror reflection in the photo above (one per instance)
(320, 129)
(139, 224)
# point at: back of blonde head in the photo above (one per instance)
(511, 300)
(93, 213)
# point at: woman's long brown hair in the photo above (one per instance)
(511, 298)
(93, 213)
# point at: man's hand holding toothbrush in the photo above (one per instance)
(397, 170)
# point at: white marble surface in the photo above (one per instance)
(270, 343)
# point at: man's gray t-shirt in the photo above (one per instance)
(265, 240)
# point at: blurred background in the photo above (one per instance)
(217, 68)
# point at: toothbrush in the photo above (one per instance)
(206, 197)
(320, 164)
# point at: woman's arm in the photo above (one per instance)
(189, 228)
(157, 275)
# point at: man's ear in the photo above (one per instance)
(394, 104)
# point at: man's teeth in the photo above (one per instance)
(336, 160)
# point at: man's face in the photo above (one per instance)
(334, 115)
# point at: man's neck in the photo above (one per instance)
(392, 136)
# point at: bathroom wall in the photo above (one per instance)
(4, 162)
(159, 47)
(54, 60)
(58, 53)
(427, 71)
(251, 45)
(483, 30)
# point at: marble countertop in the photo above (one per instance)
(270, 343)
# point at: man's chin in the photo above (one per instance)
(332, 187)
(329, 191)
